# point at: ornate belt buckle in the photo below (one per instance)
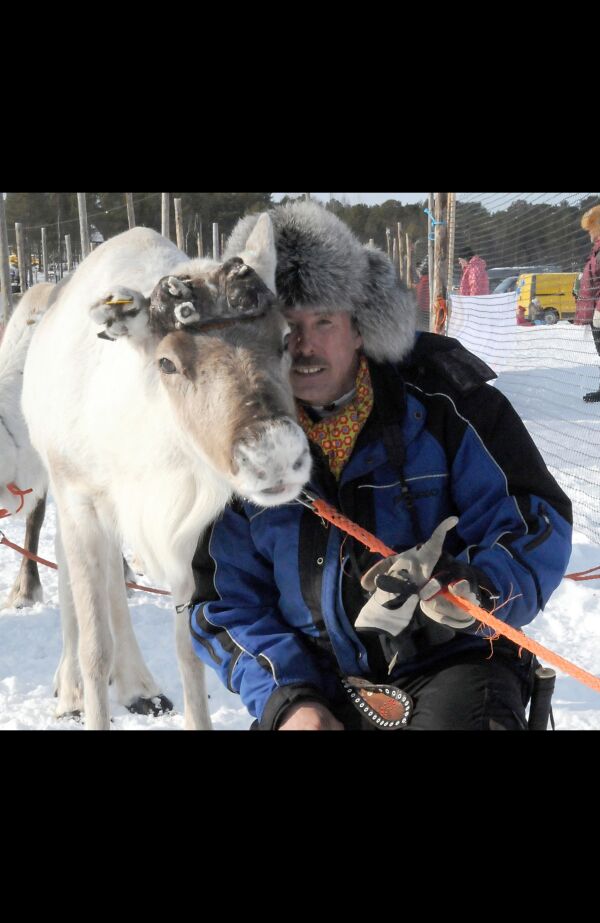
(384, 705)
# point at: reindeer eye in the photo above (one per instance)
(166, 366)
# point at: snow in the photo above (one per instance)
(544, 372)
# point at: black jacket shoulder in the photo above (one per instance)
(434, 356)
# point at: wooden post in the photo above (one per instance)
(440, 253)
(130, 211)
(69, 255)
(4, 265)
(45, 254)
(199, 239)
(215, 241)
(179, 224)
(395, 254)
(83, 225)
(400, 250)
(222, 244)
(22, 259)
(408, 279)
(371, 243)
(430, 256)
(451, 239)
(164, 223)
(388, 242)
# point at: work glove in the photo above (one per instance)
(395, 583)
(596, 319)
(461, 580)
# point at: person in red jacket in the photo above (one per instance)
(474, 278)
(588, 298)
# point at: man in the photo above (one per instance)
(474, 279)
(411, 443)
(588, 293)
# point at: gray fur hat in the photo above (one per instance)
(321, 264)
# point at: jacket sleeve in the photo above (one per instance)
(237, 628)
(515, 520)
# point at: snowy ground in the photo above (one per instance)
(544, 373)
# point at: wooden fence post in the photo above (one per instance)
(164, 223)
(69, 254)
(179, 224)
(83, 225)
(130, 211)
(5, 265)
(400, 250)
(22, 259)
(215, 241)
(440, 256)
(199, 238)
(45, 254)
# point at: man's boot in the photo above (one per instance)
(592, 397)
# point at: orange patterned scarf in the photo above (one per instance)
(337, 434)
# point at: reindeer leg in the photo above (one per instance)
(27, 588)
(196, 713)
(136, 687)
(86, 551)
(68, 684)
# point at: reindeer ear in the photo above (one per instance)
(259, 252)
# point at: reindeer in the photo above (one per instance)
(147, 428)
(20, 464)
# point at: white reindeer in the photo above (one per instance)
(20, 464)
(146, 438)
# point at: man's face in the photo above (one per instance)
(325, 355)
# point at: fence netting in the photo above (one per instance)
(526, 328)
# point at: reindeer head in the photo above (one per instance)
(225, 366)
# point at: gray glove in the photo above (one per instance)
(441, 610)
(391, 612)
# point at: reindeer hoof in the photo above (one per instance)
(157, 705)
(74, 715)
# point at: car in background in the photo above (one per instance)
(507, 285)
(546, 296)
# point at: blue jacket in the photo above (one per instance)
(278, 590)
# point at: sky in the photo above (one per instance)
(543, 370)
(362, 198)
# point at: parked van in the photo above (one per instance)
(546, 296)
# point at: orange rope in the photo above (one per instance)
(34, 557)
(374, 544)
(16, 492)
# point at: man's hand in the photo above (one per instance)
(464, 581)
(309, 716)
(397, 580)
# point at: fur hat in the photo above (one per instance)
(591, 221)
(322, 265)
